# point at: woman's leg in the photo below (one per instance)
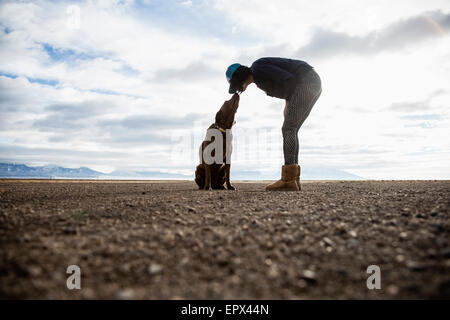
(298, 109)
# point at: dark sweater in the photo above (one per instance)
(278, 76)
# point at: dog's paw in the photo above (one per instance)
(230, 187)
(207, 188)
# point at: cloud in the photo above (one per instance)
(293, 21)
(186, 3)
(104, 55)
(423, 125)
(396, 36)
(122, 139)
(410, 106)
(422, 117)
(25, 153)
(72, 116)
(138, 122)
(80, 110)
(138, 139)
(135, 75)
(196, 71)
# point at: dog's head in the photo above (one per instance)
(225, 116)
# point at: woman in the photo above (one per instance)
(294, 81)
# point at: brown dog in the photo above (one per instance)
(215, 175)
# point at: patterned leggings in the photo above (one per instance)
(299, 106)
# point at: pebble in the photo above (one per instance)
(125, 294)
(34, 270)
(328, 241)
(392, 290)
(308, 275)
(353, 233)
(191, 209)
(155, 268)
(273, 272)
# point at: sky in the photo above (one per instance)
(133, 85)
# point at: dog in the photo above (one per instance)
(215, 175)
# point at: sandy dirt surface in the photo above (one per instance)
(167, 240)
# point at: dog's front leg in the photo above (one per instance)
(207, 177)
(227, 177)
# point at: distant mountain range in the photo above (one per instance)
(12, 170)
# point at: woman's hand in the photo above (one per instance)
(285, 108)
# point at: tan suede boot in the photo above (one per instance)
(297, 180)
(288, 179)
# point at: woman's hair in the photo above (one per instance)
(239, 76)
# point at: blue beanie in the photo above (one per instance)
(231, 69)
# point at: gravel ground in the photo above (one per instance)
(167, 240)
